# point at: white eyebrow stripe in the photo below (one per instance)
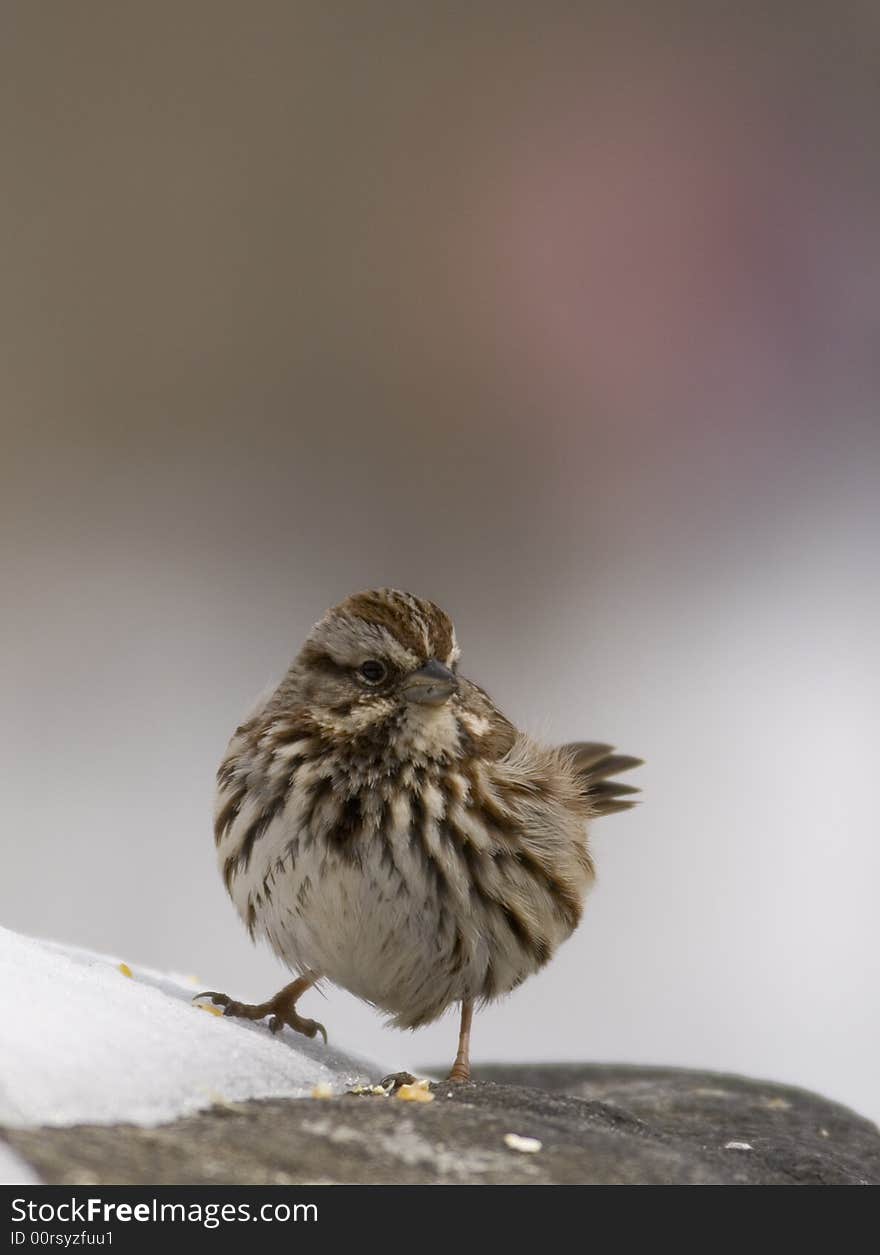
(351, 640)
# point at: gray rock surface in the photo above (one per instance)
(596, 1124)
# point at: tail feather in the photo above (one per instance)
(595, 763)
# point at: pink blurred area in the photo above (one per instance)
(565, 318)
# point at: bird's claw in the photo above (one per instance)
(309, 1028)
(219, 1000)
(287, 1015)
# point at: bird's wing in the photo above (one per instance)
(595, 764)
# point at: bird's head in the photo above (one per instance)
(382, 659)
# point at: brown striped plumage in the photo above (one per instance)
(384, 826)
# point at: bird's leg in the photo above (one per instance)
(282, 1008)
(461, 1069)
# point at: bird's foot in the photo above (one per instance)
(281, 1009)
(460, 1074)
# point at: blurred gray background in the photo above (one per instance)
(566, 319)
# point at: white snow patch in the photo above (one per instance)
(14, 1171)
(82, 1043)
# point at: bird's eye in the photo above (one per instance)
(373, 671)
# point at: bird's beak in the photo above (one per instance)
(430, 685)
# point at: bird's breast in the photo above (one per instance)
(409, 896)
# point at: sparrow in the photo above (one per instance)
(383, 826)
